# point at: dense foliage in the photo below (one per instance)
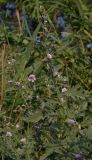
(46, 80)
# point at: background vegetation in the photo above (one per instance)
(46, 80)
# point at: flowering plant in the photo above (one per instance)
(46, 92)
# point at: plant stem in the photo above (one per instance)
(2, 79)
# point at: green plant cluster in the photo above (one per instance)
(47, 94)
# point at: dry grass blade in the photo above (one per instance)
(2, 79)
(18, 18)
(88, 34)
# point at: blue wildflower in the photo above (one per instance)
(22, 17)
(13, 12)
(10, 5)
(37, 40)
(60, 22)
(25, 29)
(64, 35)
(89, 45)
(26, 19)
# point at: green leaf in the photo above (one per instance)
(35, 117)
(48, 152)
(77, 92)
(89, 132)
(81, 7)
(25, 42)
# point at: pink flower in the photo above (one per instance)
(71, 122)
(32, 78)
(78, 156)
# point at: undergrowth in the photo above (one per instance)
(46, 80)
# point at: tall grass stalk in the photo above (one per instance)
(2, 80)
(18, 18)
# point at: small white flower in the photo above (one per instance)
(10, 81)
(17, 83)
(23, 105)
(37, 97)
(64, 90)
(23, 87)
(23, 140)
(49, 56)
(45, 20)
(50, 86)
(56, 74)
(79, 126)
(8, 134)
(71, 122)
(9, 62)
(32, 78)
(17, 125)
